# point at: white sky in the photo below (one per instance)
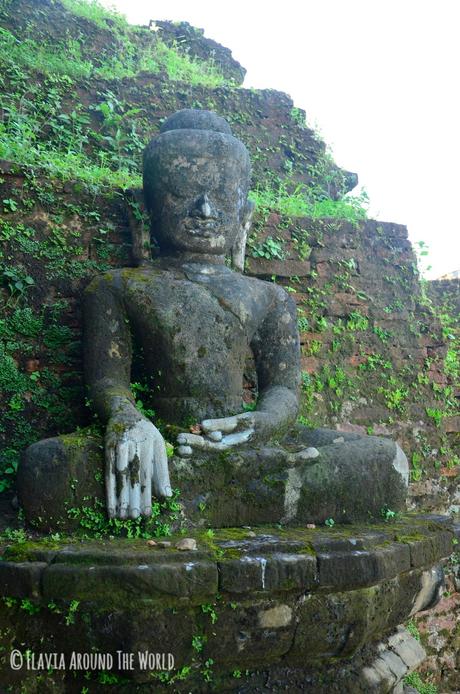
(379, 80)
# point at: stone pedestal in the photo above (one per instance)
(242, 608)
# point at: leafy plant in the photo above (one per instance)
(94, 522)
(357, 321)
(413, 629)
(414, 680)
(417, 470)
(198, 642)
(435, 414)
(209, 609)
(270, 248)
(387, 514)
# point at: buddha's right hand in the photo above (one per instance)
(136, 464)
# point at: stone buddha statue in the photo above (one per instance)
(195, 320)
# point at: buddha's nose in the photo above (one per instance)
(203, 206)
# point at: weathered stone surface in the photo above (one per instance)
(282, 268)
(268, 573)
(59, 474)
(188, 544)
(451, 425)
(400, 654)
(254, 602)
(248, 486)
(191, 580)
(253, 631)
(360, 567)
(242, 575)
(275, 617)
(21, 579)
(337, 624)
(431, 586)
(262, 485)
(121, 553)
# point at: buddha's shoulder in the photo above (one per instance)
(273, 290)
(122, 278)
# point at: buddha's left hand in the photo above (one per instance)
(219, 434)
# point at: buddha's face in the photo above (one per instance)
(196, 185)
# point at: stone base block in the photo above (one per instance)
(235, 613)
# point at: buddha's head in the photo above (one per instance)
(196, 181)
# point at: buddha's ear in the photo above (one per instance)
(239, 247)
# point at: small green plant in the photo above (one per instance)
(394, 396)
(109, 678)
(207, 670)
(417, 470)
(329, 522)
(305, 201)
(10, 205)
(303, 324)
(357, 321)
(93, 11)
(93, 520)
(413, 629)
(17, 281)
(374, 362)
(70, 616)
(198, 642)
(387, 514)
(209, 609)
(17, 535)
(435, 414)
(270, 248)
(29, 607)
(313, 348)
(298, 116)
(382, 334)
(414, 680)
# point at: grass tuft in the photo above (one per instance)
(306, 202)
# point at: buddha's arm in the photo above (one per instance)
(277, 357)
(135, 453)
(107, 348)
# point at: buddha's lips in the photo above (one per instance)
(198, 227)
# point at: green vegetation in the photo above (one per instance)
(38, 347)
(387, 514)
(130, 59)
(37, 130)
(101, 16)
(94, 523)
(414, 680)
(305, 201)
(413, 629)
(270, 248)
